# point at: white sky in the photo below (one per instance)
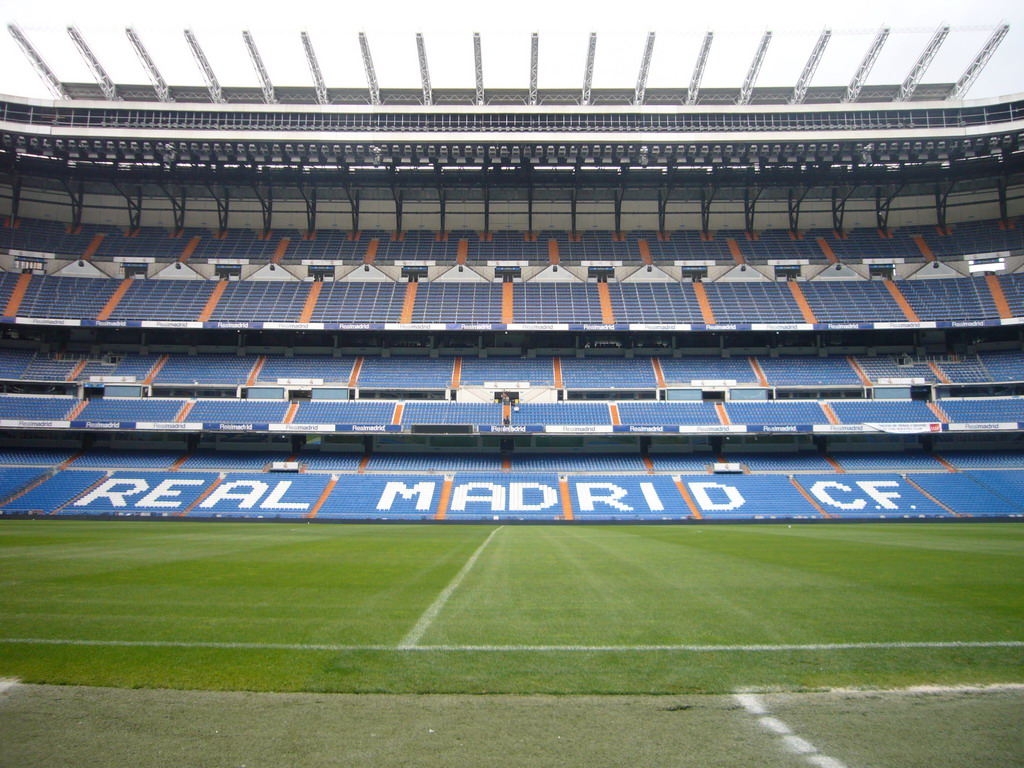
(505, 30)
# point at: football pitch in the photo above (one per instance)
(227, 644)
(510, 609)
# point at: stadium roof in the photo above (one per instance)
(686, 86)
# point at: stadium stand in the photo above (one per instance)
(131, 410)
(648, 413)
(608, 373)
(345, 412)
(794, 370)
(205, 369)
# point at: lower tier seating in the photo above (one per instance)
(496, 495)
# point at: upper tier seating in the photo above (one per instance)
(685, 370)
(868, 411)
(592, 372)
(966, 297)
(781, 413)
(654, 303)
(154, 242)
(345, 412)
(401, 372)
(331, 370)
(261, 300)
(1003, 366)
(246, 411)
(50, 408)
(743, 302)
(864, 242)
(687, 245)
(966, 370)
(801, 370)
(383, 302)
(608, 373)
(451, 413)
(562, 413)
(964, 239)
(50, 236)
(556, 303)
(780, 245)
(205, 369)
(470, 302)
(359, 303)
(1013, 290)
(71, 297)
(538, 371)
(164, 300)
(974, 237)
(667, 413)
(504, 246)
(125, 409)
(331, 244)
(848, 301)
(878, 368)
(1008, 409)
(418, 245)
(47, 369)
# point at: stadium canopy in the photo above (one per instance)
(689, 92)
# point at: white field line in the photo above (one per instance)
(6, 684)
(412, 638)
(928, 690)
(756, 707)
(517, 648)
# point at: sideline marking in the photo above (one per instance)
(514, 648)
(755, 705)
(414, 635)
(6, 684)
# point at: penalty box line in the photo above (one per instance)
(895, 646)
(414, 635)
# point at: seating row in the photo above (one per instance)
(291, 245)
(420, 372)
(639, 413)
(938, 299)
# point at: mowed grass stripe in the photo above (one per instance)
(414, 635)
(296, 585)
(637, 585)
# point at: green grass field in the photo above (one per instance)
(520, 609)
